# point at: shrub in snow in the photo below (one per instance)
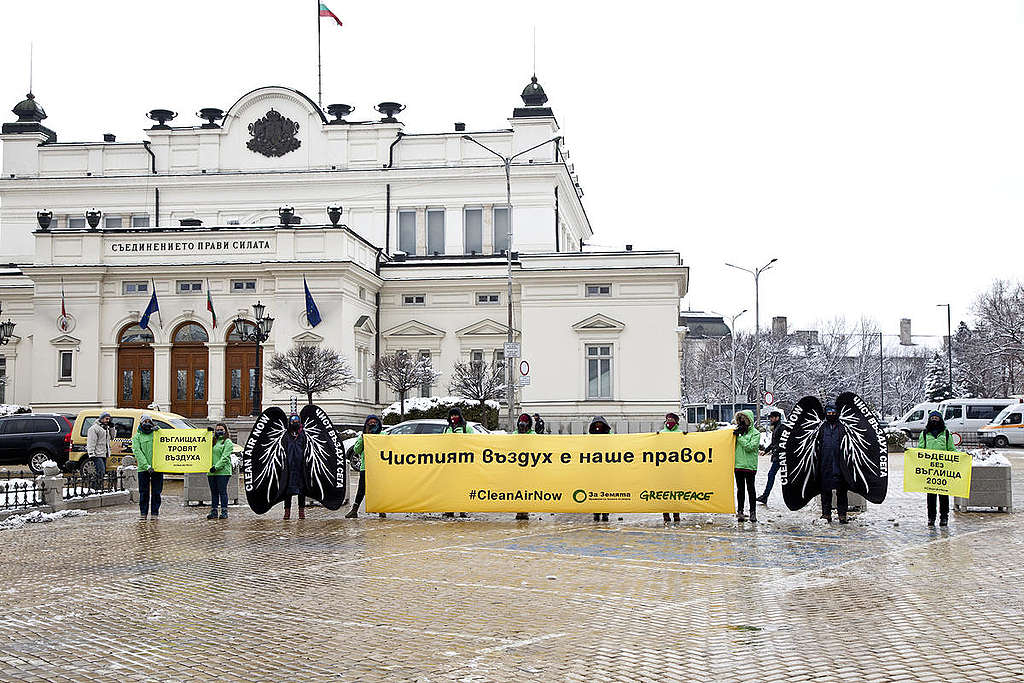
(38, 516)
(895, 438)
(437, 407)
(12, 409)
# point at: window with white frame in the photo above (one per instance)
(499, 357)
(112, 221)
(473, 224)
(407, 232)
(135, 287)
(476, 356)
(500, 229)
(602, 289)
(435, 232)
(76, 222)
(414, 299)
(487, 298)
(599, 371)
(233, 221)
(426, 386)
(188, 286)
(242, 286)
(140, 220)
(65, 366)
(362, 293)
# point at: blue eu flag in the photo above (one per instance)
(312, 312)
(152, 308)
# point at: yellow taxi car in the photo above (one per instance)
(125, 422)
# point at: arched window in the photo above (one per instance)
(247, 329)
(190, 333)
(133, 334)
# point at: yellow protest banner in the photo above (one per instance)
(946, 473)
(551, 473)
(180, 451)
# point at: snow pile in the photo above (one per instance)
(38, 516)
(425, 404)
(14, 492)
(986, 457)
(11, 409)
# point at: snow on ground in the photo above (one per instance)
(16, 492)
(11, 409)
(417, 403)
(38, 516)
(986, 457)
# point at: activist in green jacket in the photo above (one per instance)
(748, 441)
(151, 482)
(220, 471)
(371, 425)
(142, 449)
(671, 427)
(223, 447)
(457, 425)
(936, 437)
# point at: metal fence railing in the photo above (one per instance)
(20, 490)
(81, 484)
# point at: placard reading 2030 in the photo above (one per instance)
(180, 451)
(551, 473)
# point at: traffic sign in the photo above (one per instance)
(524, 368)
(957, 438)
(524, 381)
(769, 398)
(511, 349)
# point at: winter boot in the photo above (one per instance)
(597, 516)
(352, 514)
(931, 521)
(753, 516)
(302, 513)
(448, 514)
(740, 517)
(213, 514)
(382, 515)
(287, 513)
(943, 521)
(843, 519)
(827, 518)
(665, 518)
(763, 500)
(604, 516)
(224, 514)
(463, 514)
(675, 516)
(521, 516)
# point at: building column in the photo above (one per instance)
(421, 231)
(162, 380)
(109, 382)
(487, 244)
(215, 381)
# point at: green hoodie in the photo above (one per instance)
(674, 429)
(747, 445)
(942, 442)
(142, 449)
(222, 450)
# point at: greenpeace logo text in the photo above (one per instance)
(676, 495)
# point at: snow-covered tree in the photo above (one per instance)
(478, 381)
(309, 370)
(937, 380)
(401, 372)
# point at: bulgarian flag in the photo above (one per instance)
(209, 305)
(324, 12)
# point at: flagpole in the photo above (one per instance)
(319, 68)
(158, 316)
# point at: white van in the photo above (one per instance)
(968, 415)
(913, 423)
(1006, 429)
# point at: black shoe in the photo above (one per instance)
(352, 514)
(223, 514)
(520, 516)
(763, 500)
(843, 520)
(382, 515)
(665, 517)
(827, 518)
(597, 516)
(740, 517)
(604, 517)
(463, 514)
(753, 517)
(931, 522)
(213, 514)
(943, 522)
(675, 516)
(448, 514)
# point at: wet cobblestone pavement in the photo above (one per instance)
(107, 597)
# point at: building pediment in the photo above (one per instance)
(307, 337)
(66, 340)
(599, 322)
(484, 328)
(365, 325)
(414, 328)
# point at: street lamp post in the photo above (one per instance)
(949, 343)
(732, 335)
(507, 162)
(258, 333)
(756, 272)
(6, 329)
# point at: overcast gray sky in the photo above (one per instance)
(874, 147)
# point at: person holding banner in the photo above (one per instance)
(371, 425)
(748, 443)
(775, 418)
(457, 425)
(671, 426)
(830, 440)
(524, 425)
(598, 425)
(220, 471)
(294, 443)
(151, 482)
(936, 437)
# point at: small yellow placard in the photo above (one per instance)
(947, 473)
(180, 451)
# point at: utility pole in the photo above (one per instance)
(949, 344)
(756, 272)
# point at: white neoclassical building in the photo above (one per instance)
(416, 261)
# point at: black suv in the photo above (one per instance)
(33, 438)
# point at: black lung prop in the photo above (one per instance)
(865, 461)
(265, 471)
(799, 460)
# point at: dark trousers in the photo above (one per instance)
(219, 490)
(943, 506)
(288, 502)
(745, 484)
(361, 491)
(771, 479)
(99, 472)
(842, 502)
(151, 485)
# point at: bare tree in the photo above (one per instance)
(999, 316)
(309, 370)
(401, 373)
(478, 381)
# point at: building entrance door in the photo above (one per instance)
(134, 383)
(190, 364)
(241, 360)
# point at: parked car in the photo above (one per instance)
(915, 419)
(969, 415)
(33, 438)
(1006, 429)
(425, 426)
(125, 420)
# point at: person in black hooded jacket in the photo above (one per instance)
(371, 425)
(598, 425)
(457, 425)
(294, 442)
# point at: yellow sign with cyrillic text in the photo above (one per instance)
(666, 472)
(180, 451)
(947, 473)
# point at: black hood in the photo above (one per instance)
(366, 422)
(528, 420)
(942, 424)
(597, 419)
(453, 412)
